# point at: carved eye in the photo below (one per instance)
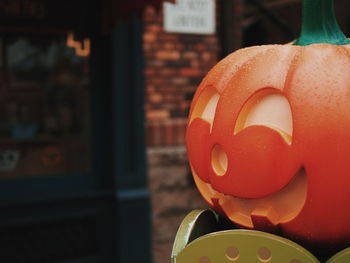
(206, 105)
(267, 108)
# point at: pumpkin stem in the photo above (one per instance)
(320, 24)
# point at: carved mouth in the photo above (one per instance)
(279, 207)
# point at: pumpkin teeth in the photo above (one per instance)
(265, 218)
(265, 211)
(260, 213)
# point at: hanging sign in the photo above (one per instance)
(190, 16)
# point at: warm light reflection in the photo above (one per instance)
(81, 49)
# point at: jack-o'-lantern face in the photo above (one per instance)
(268, 139)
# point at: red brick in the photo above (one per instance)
(201, 47)
(211, 40)
(180, 129)
(195, 64)
(157, 114)
(149, 14)
(168, 133)
(155, 63)
(168, 54)
(147, 47)
(149, 71)
(155, 134)
(207, 56)
(168, 72)
(190, 72)
(154, 28)
(168, 45)
(149, 37)
(190, 55)
(155, 97)
(168, 37)
(179, 46)
(179, 80)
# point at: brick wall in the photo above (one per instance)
(174, 66)
(173, 196)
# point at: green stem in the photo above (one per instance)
(320, 24)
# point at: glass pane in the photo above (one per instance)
(44, 107)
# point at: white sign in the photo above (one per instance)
(190, 16)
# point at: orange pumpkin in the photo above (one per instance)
(268, 136)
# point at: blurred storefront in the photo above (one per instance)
(72, 165)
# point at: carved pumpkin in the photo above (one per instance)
(268, 136)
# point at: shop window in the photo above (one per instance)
(44, 107)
